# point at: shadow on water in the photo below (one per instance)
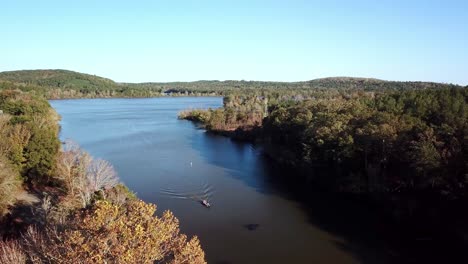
(240, 160)
(363, 230)
(366, 228)
(356, 224)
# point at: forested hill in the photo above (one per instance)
(59, 84)
(341, 83)
(56, 84)
(57, 78)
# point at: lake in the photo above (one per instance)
(254, 217)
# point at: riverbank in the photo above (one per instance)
(60, 204)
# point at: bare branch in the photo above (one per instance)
(101, 175)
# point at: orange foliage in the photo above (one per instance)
(129, 233)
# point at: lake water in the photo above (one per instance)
(254, 218)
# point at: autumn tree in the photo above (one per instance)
(109, 233)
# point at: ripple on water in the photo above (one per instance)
(192, 191)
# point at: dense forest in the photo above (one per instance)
(60, 84)
(60, 205)
(405, 149)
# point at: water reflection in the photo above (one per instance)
(256, 216)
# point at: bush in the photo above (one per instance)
(40, 154)
(11, 253)
(197, 115)
(10, 186)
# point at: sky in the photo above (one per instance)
(143, 41)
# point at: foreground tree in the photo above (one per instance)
(101, 175)
(110, 233)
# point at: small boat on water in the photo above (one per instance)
(205, 203)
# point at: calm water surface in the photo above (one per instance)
(173, 164)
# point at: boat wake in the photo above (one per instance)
(195, 193)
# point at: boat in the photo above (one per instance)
(205, 203)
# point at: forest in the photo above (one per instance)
(63, 84)
(405, 150)
(421, 136)
(61, 205)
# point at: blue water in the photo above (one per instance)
(174, 164)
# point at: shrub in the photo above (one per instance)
(11, 253)
(10, 186)
(197, 115)
(40, 154)
(119, 194)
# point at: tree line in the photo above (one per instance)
(63, 84)
(416, 138)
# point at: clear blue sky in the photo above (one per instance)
(139, 41)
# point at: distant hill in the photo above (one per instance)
(61, 84)
(57, 78)
(70, 84)
(371, 83)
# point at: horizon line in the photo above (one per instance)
(242, 80)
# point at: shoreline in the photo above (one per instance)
(401, 228)
(134, 97)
